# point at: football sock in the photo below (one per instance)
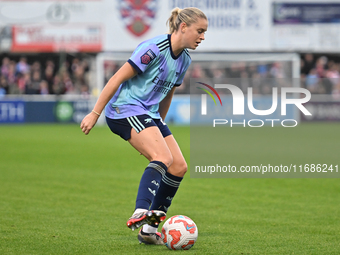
(167, 190)
(149, 184)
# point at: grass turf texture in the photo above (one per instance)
(65, 193)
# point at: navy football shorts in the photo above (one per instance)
(122, 127)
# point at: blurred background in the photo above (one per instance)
(56, 56)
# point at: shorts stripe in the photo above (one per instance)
(140, 123)
(135, 123)
(135, 127)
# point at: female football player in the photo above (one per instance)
(137, 99)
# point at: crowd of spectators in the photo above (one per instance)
(258, 75)
(319, 74)
(44, 77)
(243, 74)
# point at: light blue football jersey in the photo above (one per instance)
(159, 70)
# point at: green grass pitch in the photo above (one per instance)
(62, 192)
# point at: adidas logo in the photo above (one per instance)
(161, 70)
(169, 198)
(156, 183)
(153, 192)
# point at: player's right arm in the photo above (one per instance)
(125, 73)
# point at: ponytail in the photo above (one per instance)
(187, 15)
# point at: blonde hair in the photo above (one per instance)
(187, 15)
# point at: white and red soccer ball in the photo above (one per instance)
(179, 233)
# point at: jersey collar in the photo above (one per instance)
(172, 53)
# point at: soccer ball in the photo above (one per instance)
(179, 233)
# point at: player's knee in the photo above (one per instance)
(179, 168)
(165, 159)
(183, 168)
(168, 161)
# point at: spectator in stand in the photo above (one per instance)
(320, 66)
(68, 84)
(218, 75)
(22, 66)
(110, 67)
(326, 86)
(36, 67)
(75, 64)
(308, 63)
(5, 67)
(333, 72)
(4, 87)
(252, 69)
(44, 88)
(197, 72)
(49, 77)
(50, 63)
(233, 71)
(21, 83)
(85, 65)
(58, 86)
(262, 70)
(27, 83)
(12, 79)
(35, 83)
(80, 78)
(312, 81)
(244, 81)
(276, 71)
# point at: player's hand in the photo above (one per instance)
(88, 122)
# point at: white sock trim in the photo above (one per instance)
(139, 210)
(149, 229)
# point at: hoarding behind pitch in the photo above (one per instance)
(48, 26)
(12, 111)
(102, 25)
(120, 25)
(234, 25)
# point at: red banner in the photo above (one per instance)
(49, 38)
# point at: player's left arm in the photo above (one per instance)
(164, 105)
